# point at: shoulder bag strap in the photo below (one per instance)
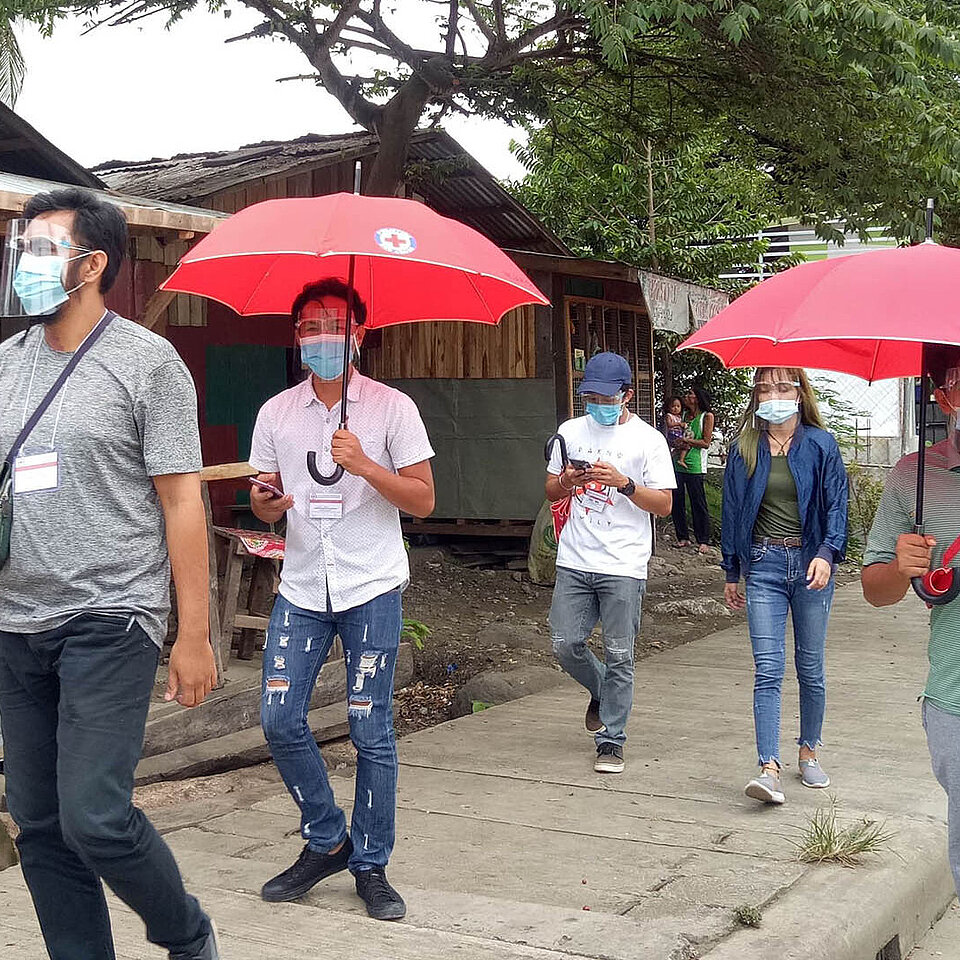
(91, 339)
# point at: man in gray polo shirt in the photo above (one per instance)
(895, 554)
(106, 498)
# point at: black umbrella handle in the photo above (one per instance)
(318, 476)
(322, 479)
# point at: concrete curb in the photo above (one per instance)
(842, 914)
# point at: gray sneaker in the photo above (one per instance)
(766, 788)
(813, 775)
(592, 722)
(609, 758)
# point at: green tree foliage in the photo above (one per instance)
(838, 115)
(837, 76)
(12, 67)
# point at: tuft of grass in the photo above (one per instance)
(748, 916)
(415, 631)
(825, 840)
(478, 706)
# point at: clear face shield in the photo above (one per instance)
(36, 276)
(320, 331)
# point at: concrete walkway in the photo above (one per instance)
(509, 846)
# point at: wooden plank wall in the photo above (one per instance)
(312, 181)
(184, 311)
(460, 351)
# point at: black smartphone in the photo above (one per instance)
(580, 464)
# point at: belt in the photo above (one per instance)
(778, 541)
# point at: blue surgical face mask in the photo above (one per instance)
(606, 414)
(38, 284)
(778, 411)
(323, 354)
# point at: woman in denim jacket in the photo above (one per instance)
(784, 530)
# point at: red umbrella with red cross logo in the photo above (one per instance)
(408, 263)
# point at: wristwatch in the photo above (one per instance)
(628, 489)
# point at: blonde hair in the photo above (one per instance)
(748, 436)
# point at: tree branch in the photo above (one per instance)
(481, 23)
(452, 17)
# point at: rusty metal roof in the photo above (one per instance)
(446, 177)
(26, 152)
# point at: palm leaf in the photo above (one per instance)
(12, 66)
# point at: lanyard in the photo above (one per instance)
(63, 394)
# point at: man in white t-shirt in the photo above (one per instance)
(618, 472)
(345, 566)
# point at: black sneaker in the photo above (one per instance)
(592, 720)
(609, 758)
(311, 867)
(383, 902)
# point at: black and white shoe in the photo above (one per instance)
(383, 902)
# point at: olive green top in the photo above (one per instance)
(779, 514)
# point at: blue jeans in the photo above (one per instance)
(579, 601)
(74, 704)
(297, 645)
(776, 583)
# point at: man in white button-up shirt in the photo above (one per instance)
(344, 569)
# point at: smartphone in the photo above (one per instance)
(269, 487)
(580, 464)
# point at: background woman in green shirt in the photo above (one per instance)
(690, 466)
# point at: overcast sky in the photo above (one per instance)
(129, 93)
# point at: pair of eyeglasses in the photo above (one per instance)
(781, 387)
(41, 246)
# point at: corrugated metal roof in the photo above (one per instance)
(464, 190)
(156, 214)
(24, 151)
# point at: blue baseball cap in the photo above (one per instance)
(605, 374)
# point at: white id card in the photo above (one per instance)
(596, 496)
(39, 471)
(326, 506)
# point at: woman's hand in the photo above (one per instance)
(732, 596)
(818, 574)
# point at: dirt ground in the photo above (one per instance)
(496, 619)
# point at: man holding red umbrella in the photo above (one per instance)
(344, 569)
(895, 554)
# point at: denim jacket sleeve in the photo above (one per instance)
(835, 499)
(729, 517)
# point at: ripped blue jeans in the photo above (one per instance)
(579, 600)
(777, 583)
(298, 642)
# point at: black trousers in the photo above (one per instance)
(74, 705)
(692, 484)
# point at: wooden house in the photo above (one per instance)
(490, 395)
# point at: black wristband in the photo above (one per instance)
(628, 489)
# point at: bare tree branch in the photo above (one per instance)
(480, 21)
(452, 17)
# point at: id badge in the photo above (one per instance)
(596, 497)
(326, 506)
(39, 471)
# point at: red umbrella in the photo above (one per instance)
(406, 261)
(410, 263)
(868, 314)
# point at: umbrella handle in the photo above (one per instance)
(318, 476)
(938, 587)
(345, 379)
